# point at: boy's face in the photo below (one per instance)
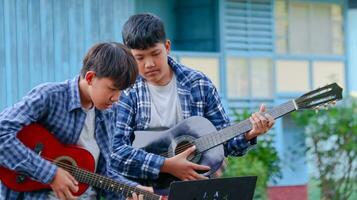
(152, 63)
(102, 91)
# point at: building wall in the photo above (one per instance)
(44, 41)
(266, 52)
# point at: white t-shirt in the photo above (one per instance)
(88, 142)
(165, 105)
(87, 137)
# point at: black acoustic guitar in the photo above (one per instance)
(200, 132)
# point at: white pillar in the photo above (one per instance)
(352, 50)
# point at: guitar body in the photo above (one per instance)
(173, 141)
(35, 136)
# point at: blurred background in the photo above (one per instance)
(255, 51)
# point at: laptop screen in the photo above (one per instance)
(241, 188)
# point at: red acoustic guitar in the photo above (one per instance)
(77, 161)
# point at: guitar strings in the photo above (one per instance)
(184, 147)
(86, 174)
(181, 149)
(277, 111)
(82, 173)
(272, 112)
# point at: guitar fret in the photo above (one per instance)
(90, 181)
(106, 184)
(127, 191)
(116, 188)
(119, 188)
(81, 176)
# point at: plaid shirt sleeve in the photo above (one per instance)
(126, 160)
(14, 155)
(214, 111)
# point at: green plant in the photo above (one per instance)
(261, 161)
(332, 142)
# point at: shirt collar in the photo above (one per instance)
(181, 77)
(74, 96)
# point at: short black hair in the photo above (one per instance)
(143, 31)
(111, 60)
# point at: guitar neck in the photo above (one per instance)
(108, 184)
(214, 139)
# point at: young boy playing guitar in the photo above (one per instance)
(74, 111)
(165, 93)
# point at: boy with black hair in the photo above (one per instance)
(165, 93)
(75, 112)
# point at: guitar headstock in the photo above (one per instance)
(319, 97)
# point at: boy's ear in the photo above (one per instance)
(90, 75)
(168, 46)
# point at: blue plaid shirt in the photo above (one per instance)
(57, 107)
(198, 97)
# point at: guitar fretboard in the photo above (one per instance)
(106, 183)
(216, 138)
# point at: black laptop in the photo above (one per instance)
(236, 188)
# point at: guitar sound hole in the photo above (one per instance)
(182, 146)
(65, 162)
(194, 157)
(183, 143)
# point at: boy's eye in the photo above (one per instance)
(156, 53)
(139, 58)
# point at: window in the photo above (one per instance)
(237, 77)
(249, 78)
(292, 76)
(207, 65)
(281, 28)
(309, 28)
(248, 25)
(326, 72)
(261, 78)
